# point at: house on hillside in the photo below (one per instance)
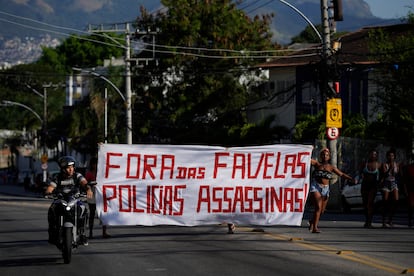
(293, 85)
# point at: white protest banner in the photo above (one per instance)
(198, 185)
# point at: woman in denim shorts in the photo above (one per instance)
(390, 171)
(319, 189)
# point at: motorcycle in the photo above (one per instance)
(67, 220)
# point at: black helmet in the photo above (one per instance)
(66, 161)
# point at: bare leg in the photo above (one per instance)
(385, 207)
(318, 206)
(324, 203)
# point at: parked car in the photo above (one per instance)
(351, 198)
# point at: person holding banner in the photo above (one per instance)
(319, 188)
(91, 178)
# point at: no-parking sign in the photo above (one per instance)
(332, 133)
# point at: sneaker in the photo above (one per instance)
(83, 240)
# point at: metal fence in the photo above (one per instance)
(351, 153)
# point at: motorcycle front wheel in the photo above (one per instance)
(67, 245)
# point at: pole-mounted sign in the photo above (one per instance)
(332, 133)
(334, 113)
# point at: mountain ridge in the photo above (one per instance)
(77, 14)
(26, 19)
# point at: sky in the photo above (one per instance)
(391, 8)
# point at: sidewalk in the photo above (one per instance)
(17, 190)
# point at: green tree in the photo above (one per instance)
(309, 128)
(87, 119)
(308, 35)
(24, 84)
(396, 56)
(84, 122)
(193, 94)
(52, 68)
(83, 51)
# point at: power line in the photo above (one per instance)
(40, 22)
(255, 9)
(248, 5)
(60, 33)
(244, 53)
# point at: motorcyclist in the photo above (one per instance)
(67, 177)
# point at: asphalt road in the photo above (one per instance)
(344, 247)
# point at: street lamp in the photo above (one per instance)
(304, 17)
(126, 101)
(10, 103)
(44, 124)
(44, 167)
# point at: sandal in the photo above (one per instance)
(316, 231)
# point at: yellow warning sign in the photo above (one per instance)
(334, 113)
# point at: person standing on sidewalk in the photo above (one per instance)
(91, 178)
(370, 173)
(390, 171)
(319, 188)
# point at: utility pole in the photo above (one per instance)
(326, 32)
(106, 116)
(127, 60)
(326, 71)
(326, 60)
(128, 84)
(45, 86)
(44, 158)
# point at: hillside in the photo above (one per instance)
(19, 19)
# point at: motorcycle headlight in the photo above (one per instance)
(67, 208)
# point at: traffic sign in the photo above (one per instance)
(332, 133)
(334, 113)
